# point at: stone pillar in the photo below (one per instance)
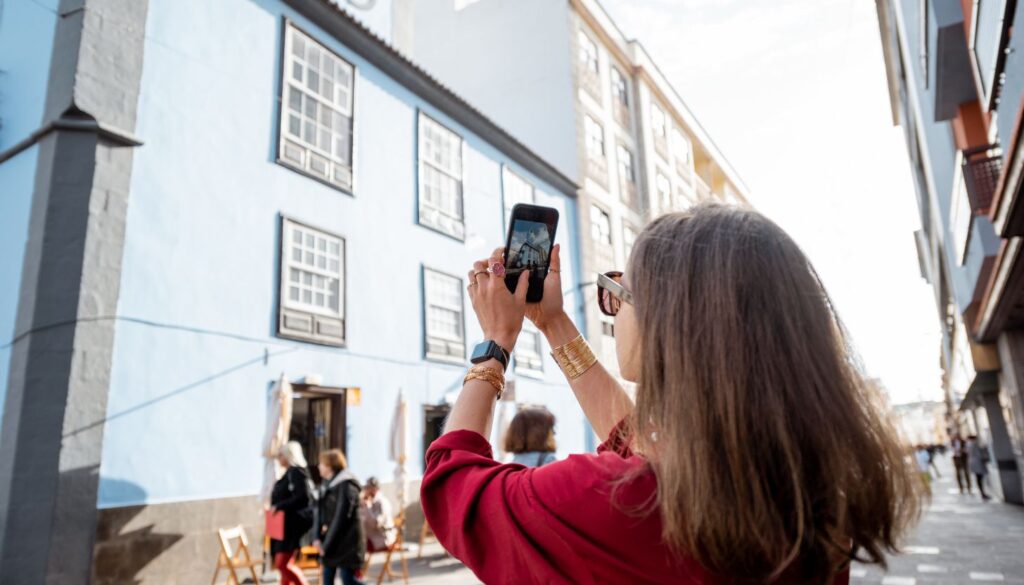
(1002, 450)
(1011, 383)
(52, 435)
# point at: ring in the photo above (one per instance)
(471, 284)
(553, 270)
(496, 268)
(478, 273)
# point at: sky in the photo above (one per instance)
(794, 94)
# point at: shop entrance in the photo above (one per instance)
(319, 422)
(434, 417)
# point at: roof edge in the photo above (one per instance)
(379, 53)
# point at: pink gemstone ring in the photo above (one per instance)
(497, 269)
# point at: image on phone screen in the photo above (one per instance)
(529, 246)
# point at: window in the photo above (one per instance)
(514, 189)
(600, 226)
(658, 122)
(628, 239)
(442, 299)
(595, 138)
(316, 111)
(312, 306)
(664, 188)
(588, 53)
(680, 149)
(528, 353)
(440, 154)
(620, 89)
(625, 160)
(607, 326)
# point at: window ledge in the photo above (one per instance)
(288, 165)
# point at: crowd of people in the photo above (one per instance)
(345, 520)
(970, 458)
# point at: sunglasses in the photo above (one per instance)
(611, 294)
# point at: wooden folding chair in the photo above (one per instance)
(425, 533)
(234, 558)
(397, 546)
(309, 559)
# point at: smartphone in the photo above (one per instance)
(531, 234)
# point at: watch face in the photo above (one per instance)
(480, 351)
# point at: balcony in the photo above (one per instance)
(981, 171)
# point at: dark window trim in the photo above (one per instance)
(281, 83)
(343, 344)
(423, 315)
(462, 174)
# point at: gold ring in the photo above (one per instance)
(478, 273)
(471, 284)
(553, 270)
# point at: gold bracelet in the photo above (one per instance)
(574, 357)
(490, 375)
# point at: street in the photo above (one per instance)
(960, 540)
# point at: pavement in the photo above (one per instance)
(961, 540)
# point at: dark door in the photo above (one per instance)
(434, 417)
(319, 423)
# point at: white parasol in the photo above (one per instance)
(398, 452)
(279, 418)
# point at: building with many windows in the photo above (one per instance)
(196, 207)
(956, 84)
(562, 77)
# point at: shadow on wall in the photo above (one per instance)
(123, 549)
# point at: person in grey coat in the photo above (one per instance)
(342, 541)
(977, 460)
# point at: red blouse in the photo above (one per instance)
(555, 523)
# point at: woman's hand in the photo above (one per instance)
(499, 312)
(550, 309)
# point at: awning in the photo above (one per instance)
(984, 383)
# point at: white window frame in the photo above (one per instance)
(618, 81)
(682, 148)
(629, 235)
(455, 344)
(626, 164)
(515, 189)
(663, 187)
(588, 53)
(318, 251)
(605, 237)
(333, 104)
(529, 362)
(447, 219)
(592, 126)
(659, 121)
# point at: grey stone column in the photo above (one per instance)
(52, 435)
(1002, 450)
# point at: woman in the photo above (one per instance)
(754, 451)
(378, 522)
(977, 457)
(341, 539)
(291, 495)
(531, 437)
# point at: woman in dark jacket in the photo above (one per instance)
(342, 541)
(291, 495)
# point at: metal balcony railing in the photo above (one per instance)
(981, 170)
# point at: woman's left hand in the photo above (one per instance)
(499, 312)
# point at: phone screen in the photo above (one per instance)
(531, 235)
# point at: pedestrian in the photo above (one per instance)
(931, 460)
(755, 451)
(378, 521)
(340, 536)
(531, 437)
(923, 463)
(960, 459)
(977, 457)
(291, 495)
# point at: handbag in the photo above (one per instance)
(274, 524)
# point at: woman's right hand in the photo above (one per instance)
(550, 310)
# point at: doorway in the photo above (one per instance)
(434, 417)
(319, 422)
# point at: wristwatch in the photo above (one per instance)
(487, 350)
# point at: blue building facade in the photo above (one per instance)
(269, 191)
(956, 83)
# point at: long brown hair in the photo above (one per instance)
(532, 429)
(772, 453)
